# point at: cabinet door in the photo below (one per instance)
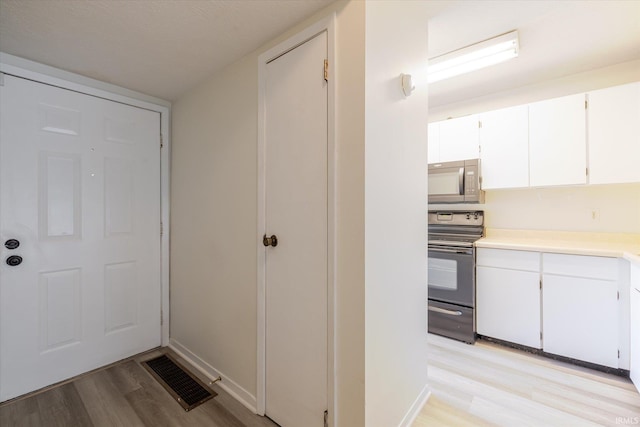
(433, 143)
(635, 326)
(459, 139)
(508, 305)
(504, 148)
(614, 126)
(580, 318)
(557, 141)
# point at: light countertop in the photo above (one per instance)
(618, 245)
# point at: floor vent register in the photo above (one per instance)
(185, 388)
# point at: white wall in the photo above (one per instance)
(616, 207)
(349, 298)
(395, 212)
(214, 217)
(380, 351)
(570, 208)
(213, 223)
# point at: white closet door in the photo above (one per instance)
(296, 212)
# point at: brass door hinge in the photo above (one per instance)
(326, 70)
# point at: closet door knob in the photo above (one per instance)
(270, 241)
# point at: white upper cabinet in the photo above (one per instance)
(459, 139)
(549, 143)
(433, 143)
(614, 134)
(557, 141)
(504, 148)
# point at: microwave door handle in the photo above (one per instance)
(461, 182)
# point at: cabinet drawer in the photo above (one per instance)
(581, 266)
(514, 260)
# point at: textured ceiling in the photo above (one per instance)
(157, 47)
(165, 47)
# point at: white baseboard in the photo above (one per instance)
(416, 407)
(227, 384)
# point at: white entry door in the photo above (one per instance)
(296, 212)
(80, 192)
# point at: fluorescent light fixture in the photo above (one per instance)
(473, 57)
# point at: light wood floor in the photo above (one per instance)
(480, 385)
(488, 384)
(125, 395)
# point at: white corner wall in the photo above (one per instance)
(395, 213)
(380, 291)
(214, 208)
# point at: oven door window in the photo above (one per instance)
(451, 277)
(443, 273)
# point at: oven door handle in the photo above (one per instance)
(461, 181)
(445, 311)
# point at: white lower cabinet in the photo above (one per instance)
(580, 318)
(635, 325)
(577, 308)
(508, 296)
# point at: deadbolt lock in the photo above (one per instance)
(11, 244)
(14, 260)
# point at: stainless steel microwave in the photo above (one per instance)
(455, 182)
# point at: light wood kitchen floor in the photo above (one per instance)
(488, 384)
(480, 385)
(123, 394)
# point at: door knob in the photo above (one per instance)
(14, 260)
(11, 244)
(270, 241)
